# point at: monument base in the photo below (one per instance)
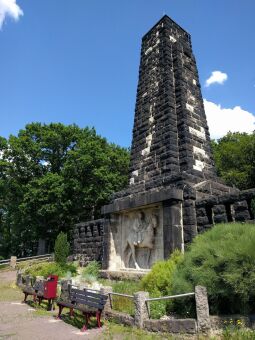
(124, 274)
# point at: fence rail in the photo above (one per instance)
(169, 297)
(147, 301)
(4, 262)
(29, 258)
(119, 294)
(38, 257)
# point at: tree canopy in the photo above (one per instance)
(51, 177)
(234, 156)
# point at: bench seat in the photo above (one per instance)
(85, 301)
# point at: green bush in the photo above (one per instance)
(91, 270)
(223, 260)
(158, 282)
(159, 278)
(47, 268)
(61, 249)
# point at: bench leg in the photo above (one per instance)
(60, 308)
(85, 326)
(49, 307)
(25, 298)
(98, 316)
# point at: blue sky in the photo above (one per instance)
(76, 61)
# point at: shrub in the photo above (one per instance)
(159, 278)
(47, 268)
(223, 260)
(91, 270)
(61, 249)
(158, 282)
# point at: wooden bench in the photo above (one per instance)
(43, 290)
(36, 291)
(87, 302)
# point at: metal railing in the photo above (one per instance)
(111, 294)
(147, 301)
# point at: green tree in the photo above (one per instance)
(234, 156)
(61, 249)
(51, 177)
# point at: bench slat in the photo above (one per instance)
(89, 303)
(87, 292)
(91, 298)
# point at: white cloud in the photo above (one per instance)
(217, 77)
(9, 8)
(222, 120)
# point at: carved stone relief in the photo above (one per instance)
(137, 239)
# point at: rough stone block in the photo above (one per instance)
(175, 326)
(202, 308)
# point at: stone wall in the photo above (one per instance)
(234, 207)
(88, 241)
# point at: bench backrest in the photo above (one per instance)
(39, 286)
(88, 298)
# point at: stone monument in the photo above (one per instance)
(173, 192)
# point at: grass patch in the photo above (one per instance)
(78, 320)
(10, 292)
(240, 334)
(42, 309)
(120, 303)
(4, 267)
(117, 331)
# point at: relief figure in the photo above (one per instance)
(141, 235)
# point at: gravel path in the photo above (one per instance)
(20, 321)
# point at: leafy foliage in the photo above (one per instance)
(47, 268)
(234, 156)
(158, 282)
(51, 177)
(61, 249)
(159, 278)
(91, 272)
(223, 260)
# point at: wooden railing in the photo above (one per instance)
(29, 258)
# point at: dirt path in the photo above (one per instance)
(20, 321)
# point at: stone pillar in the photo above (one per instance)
(106, 244)
(172, 227)
(65, 289)
(202, 308)
(13, 262)
(106, 291)
(141, 309)
(28, 280)
(19, 279)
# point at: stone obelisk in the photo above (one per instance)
(171, 159)
(170, 134)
